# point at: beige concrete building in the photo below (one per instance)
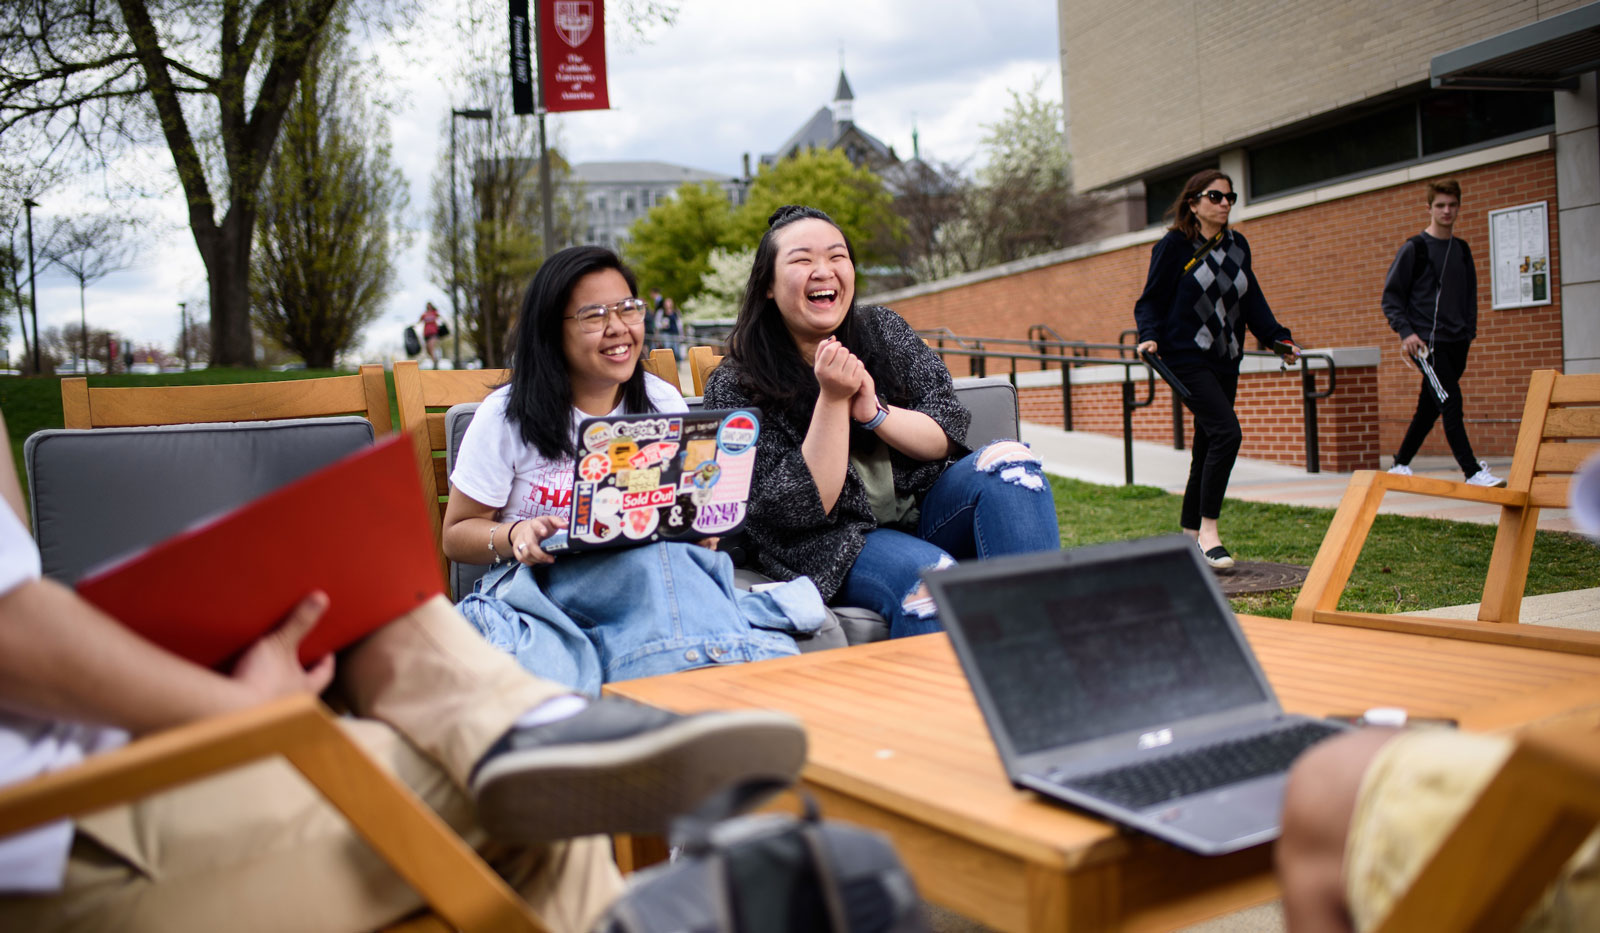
(1306, 102)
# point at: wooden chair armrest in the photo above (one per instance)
(1509, 846)
(1446, 489)
(411, 838)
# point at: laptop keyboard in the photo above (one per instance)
(1151, 782)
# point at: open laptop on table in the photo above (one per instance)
(641, 478)
(1116, 678)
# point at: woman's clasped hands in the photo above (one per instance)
(841, 375)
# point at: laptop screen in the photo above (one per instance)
(1082, 650)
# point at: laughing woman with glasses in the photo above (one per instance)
(587, 618)
(1199, 297)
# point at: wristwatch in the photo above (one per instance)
(872, 425)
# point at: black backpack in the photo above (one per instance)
(771, 873)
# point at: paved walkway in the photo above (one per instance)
(1098, 459)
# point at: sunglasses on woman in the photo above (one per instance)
(592, 318)
(1217, 197)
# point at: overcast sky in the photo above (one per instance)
(727, 78)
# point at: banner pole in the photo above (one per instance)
(542, 8)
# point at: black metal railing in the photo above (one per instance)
(1046, 351)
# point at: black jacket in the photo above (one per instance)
(1413, 282)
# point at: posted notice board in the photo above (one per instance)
(1519, 254)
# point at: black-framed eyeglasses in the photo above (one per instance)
(592, 318)
(1217, 197)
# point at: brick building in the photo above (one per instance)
(1330, 118)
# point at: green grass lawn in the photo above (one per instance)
(1409, 563)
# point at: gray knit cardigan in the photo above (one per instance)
(793, 535)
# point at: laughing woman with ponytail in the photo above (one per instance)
(1199, 297)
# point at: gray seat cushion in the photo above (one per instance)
(462, 576)
(993, 403)
(99, 494)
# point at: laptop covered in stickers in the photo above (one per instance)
(679, 476)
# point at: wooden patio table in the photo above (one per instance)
(897, 743)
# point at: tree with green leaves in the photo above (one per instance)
(670, 247)
(1023, 204)
(323, 263)
(84, 81)
(855, 198)
(211, 79)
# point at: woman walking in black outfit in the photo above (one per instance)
(1198, 299)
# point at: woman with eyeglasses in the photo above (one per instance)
(863, 477)
(586, 618)
(1199, 297)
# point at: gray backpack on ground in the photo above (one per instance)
(771, 873)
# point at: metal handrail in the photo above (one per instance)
(980, 349)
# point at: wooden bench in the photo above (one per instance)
(1560, 429)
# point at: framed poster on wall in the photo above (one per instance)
(1519, 254)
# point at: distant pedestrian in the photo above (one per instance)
(430, 332)
(671, 327)
(650, 319)
(1200, 296)
(1432, 289)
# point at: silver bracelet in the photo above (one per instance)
(491, 542)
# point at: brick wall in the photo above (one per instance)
(1322, 269)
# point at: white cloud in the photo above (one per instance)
(729, 77)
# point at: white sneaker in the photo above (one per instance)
(1400, 469)
(1483, 477)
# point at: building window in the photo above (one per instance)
(1382, 138)
(1427, 125)
(627, 203)
(600, 203)
(1464, 118)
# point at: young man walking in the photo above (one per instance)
(1431, 301)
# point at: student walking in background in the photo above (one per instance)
(1431, 301)
(430, 332)
(1198, 299)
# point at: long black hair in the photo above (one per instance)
(772, 371)
(541, 388)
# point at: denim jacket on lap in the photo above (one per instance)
(589, 619)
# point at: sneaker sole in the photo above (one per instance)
(633, 785)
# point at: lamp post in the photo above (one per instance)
(33, 294)
(455, 225)
(183, 335)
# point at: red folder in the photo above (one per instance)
(357, 529)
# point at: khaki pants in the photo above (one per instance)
(258, 849)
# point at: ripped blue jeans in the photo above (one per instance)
(993, 501)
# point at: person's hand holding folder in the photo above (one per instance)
(271, 667)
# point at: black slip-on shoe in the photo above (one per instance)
(1219, 558)
(621, 767)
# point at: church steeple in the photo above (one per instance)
(843, 101)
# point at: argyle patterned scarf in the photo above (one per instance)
(1222, 287)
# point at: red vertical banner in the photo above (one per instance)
(572, 55)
